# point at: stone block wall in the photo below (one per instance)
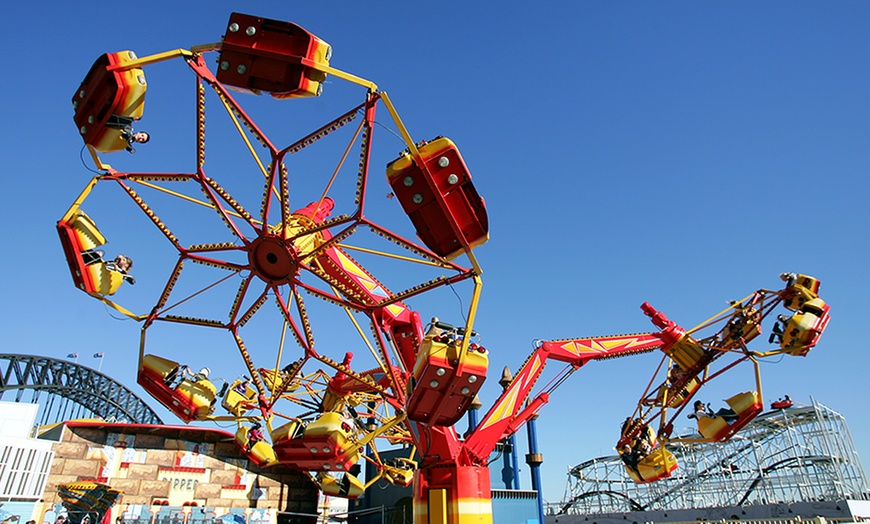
(165, 468)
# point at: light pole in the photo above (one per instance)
(534, 459)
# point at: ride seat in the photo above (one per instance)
(441, 199)
(86, 231)
(659, 464)
(259, 54)
(290, 430)
(678, 396)
(77, 234)
(437, 395)
(273, 384)
(745, 405)
(106, 281)
(347, 486)
(261, 452)
(189, 401)
(402, 475)
(799, 291)
(108, 90)
(159, 367)
(237, 403)
(713, 428)
(686, 353)
(741, 328)
(804, 328)
(323, 445)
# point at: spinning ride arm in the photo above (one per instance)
(511, 411)
(693, 360)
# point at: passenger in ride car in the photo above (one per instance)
(701, 412)
(122, 264)
(255, 434)
(125, 124)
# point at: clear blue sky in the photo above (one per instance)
(680, 153)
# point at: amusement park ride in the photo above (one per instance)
(315, 412)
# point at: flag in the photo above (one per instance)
(98, 355)
(73, 355)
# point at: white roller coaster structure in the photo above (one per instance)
(801, 454)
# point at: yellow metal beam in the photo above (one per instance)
(393, 422)
(412, 147)
(371, 86)
(718, 316)
(74, 208)
(97, 162)
(392, 255)
(119, 308)
(230, 111)
(469, 325)
(151, 59)
(202, 48)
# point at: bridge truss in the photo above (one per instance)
(793, 455)
(65, 390)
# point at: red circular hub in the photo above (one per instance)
(273, 259)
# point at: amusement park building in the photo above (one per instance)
(166, 475)
(24, 462)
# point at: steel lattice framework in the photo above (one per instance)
(69, 390)
(792, 455)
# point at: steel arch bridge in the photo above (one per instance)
(69, 391)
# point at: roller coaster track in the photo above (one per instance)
(792, 455)
(70, 390)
